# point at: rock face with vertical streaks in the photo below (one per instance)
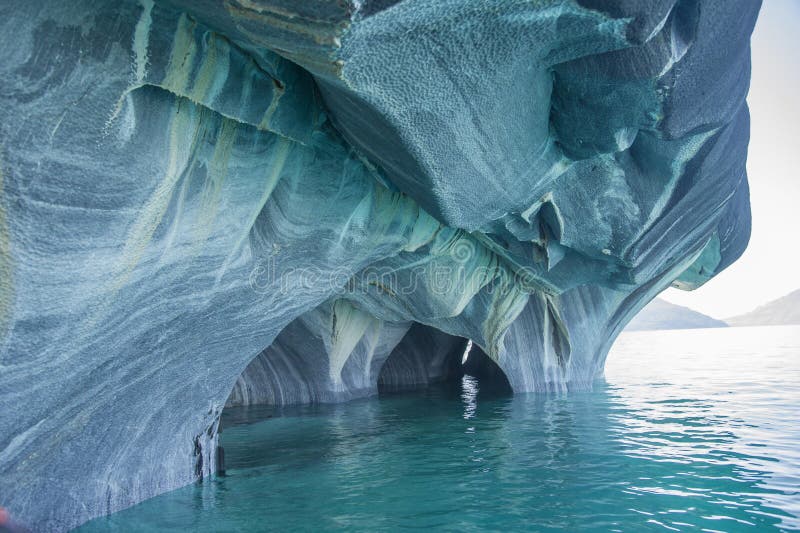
(269, 201)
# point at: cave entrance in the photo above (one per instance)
(292, 377)
(476, 364)
(427, 356)
(481, 375)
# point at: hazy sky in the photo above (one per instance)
(770, 267)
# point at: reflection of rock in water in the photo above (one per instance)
(469, 395)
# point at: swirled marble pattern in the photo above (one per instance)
(279, 197)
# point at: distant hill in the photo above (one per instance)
(660, 314)
(785, 310)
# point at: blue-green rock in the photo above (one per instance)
(211, 202)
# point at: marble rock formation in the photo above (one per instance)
(275, 201)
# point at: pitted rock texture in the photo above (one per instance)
(269, 201)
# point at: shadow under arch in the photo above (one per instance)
(298, 367)
(479, 365)
(330, 354)
(427, 356)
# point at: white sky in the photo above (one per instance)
(770, 266)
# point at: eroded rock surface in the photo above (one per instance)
(279, 197)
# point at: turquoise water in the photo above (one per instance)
(692, 431)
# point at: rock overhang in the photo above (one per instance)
(188, 185)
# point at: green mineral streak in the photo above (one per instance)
(348, 325)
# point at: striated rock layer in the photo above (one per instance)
(272, 201)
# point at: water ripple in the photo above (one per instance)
(694, 430)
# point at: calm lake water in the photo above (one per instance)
(694, 430)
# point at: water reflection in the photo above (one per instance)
(469, 395)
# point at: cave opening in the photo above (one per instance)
(427, 357)
(291, 378)
(481, 373)
(296, 369)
